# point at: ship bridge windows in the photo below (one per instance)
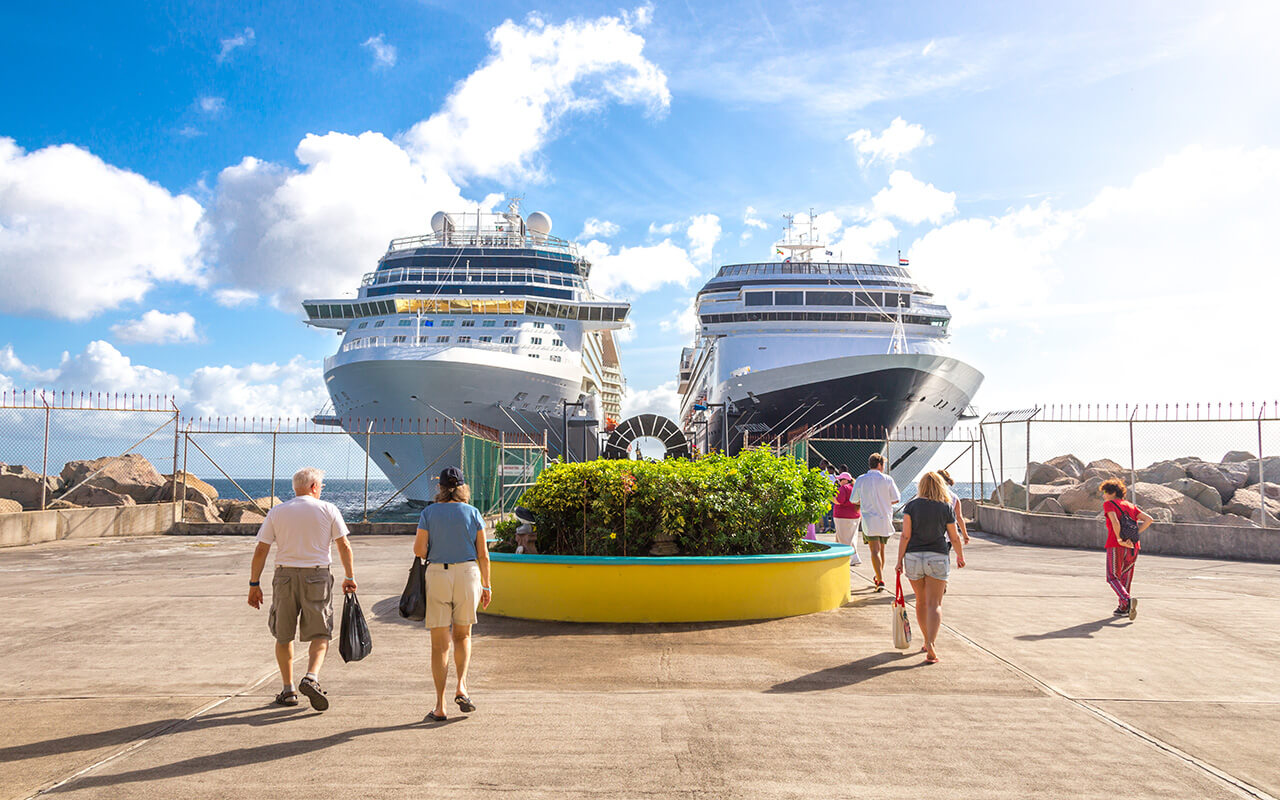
(788, 298)
(759, 298)
(828, 298)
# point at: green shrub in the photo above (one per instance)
(505, 534)
(750, 504)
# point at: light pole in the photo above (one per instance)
(704, 423)
(724, 412)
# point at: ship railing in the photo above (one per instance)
(492, 239)
(429, 348)
(813, 268)
(465, 274)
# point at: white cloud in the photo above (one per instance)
(1153, 265)
(703, 233)
(292, 389)
(666, 229)
(913, 201)
(684, 322)
(499, 116)
(893, 143)
(598, 228)
(13, 372)
(211, 105)
(861, 243)
(928, 48)
(232, 298)
(661, 399)
(750, 219)
(81, 236)
(243, 39)
(638, 269)
(313, 233)
(157, 327)
(190, 132)
(384, 55)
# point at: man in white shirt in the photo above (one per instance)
(302, 586)
(876, 493)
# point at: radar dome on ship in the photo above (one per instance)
(538, 223)
(438, 221)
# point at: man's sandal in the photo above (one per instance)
(431, 715)
(314, 693)
(287, 698)
(464, 703)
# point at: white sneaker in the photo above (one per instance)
(855, 561)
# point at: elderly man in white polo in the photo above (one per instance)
(876, 494)
(302, 586)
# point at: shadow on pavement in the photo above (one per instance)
(243, 756)
(854, 672)
(1084, 630)
(118, 736)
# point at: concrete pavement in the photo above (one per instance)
(136, 667)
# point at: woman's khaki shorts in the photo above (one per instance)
(305, 592)
(452, 594)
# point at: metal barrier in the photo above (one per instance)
(1194, 463)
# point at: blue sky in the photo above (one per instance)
(1082, 184)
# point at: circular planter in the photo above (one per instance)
(675, 589)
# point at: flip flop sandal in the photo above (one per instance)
(431, 715)
(1133, 608)
(879, 586)
(287, 698)
(315, 694)
(464, 703)
(931, 661)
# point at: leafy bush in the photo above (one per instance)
(505, 534)
(750, 504)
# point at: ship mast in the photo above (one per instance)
(799, 248)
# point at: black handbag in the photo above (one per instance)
(413, 603)
(354, 640)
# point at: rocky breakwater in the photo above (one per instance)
(1231, 491)
(122, 481)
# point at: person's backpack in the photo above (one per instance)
(1128, 525)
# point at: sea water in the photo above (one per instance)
(347, 494)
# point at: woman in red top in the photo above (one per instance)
(1121, 554)
(846, 515)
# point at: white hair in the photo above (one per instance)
(305, 478)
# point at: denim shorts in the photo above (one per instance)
(924, 564)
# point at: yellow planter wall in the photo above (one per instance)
(598, 589)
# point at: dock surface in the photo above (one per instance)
(135, 668)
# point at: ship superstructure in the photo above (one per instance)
(487, 319)
(788, 346)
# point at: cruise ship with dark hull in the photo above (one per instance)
(790, 348)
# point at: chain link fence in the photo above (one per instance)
(230, 469)
(1204, 464)
(50, 441)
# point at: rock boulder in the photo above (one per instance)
(1238, 474)
(1102, 474)
(1012, 494)
(1202, 493)
(92, 496)
(968, 508)
(1043, 473)
(1270, 471)
(194, 484)
(1160, 514)
(23, 486)
(1106, 465)
(1212, 475)
(1153, 495)
(1162, 472)
(8, 506)
(130, 475)
(1246, 502)
(1082, 497)
(195, 511)
(1068, 465)
(1040, 493)
(243, 515)
(1065, 480)
(1050, 505)
(1237, 456)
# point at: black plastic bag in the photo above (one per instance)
(413, 603)
(354, 640)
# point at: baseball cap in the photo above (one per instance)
(451, 477)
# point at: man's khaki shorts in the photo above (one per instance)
(452, 594)
(305, 592)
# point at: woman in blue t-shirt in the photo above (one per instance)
(451, 539)
(924, 554)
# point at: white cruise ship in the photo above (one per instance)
(487, 319)
(791, 346)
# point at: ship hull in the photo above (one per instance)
(868, 397)
(423, 394)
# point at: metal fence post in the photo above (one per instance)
(368, 438)
(271, 503)
(44, 465)
(1133, 464)
(1262, 474)
(1001, 482)
(982, 468)
(1026, 476)
(176, 415)
(186, 445)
